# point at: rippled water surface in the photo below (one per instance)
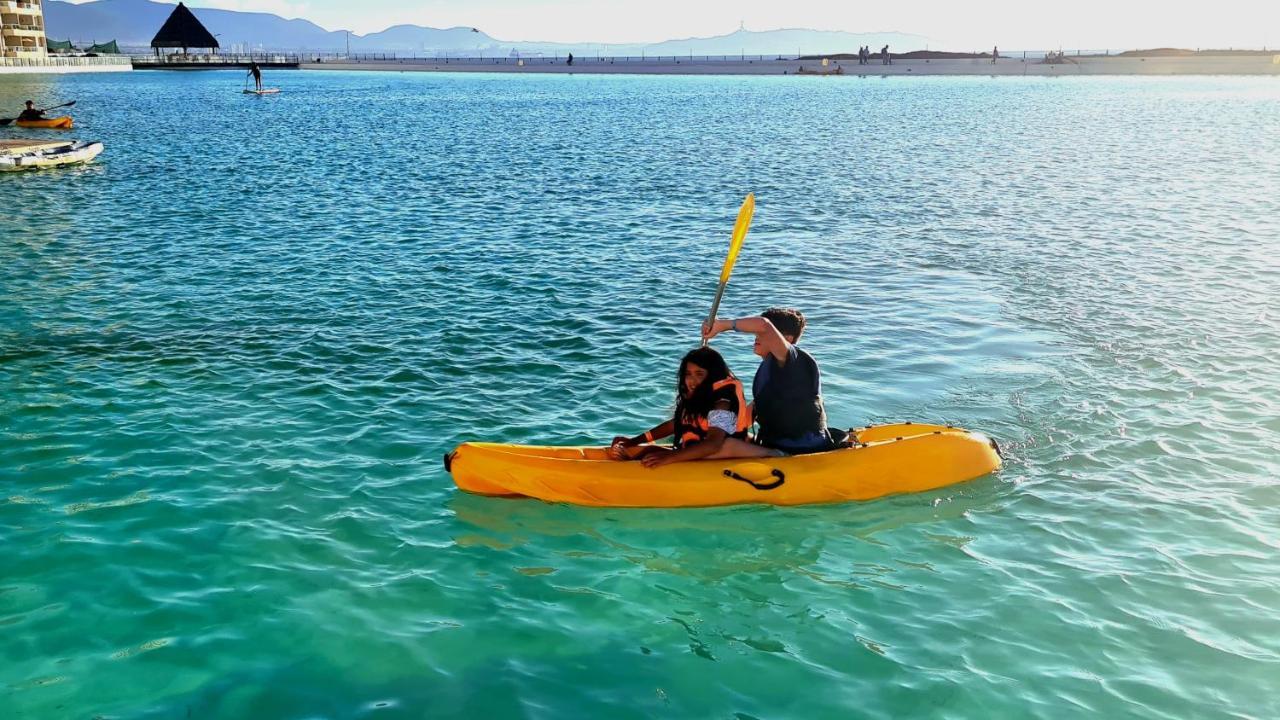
(233, 351)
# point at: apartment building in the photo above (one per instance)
(22, 29)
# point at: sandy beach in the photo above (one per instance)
(1087, 65)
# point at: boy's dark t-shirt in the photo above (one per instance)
(789, 406)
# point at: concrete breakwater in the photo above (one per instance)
(1070, 66)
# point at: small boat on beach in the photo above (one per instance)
(21, 155)
(880, 460)
(62, 122)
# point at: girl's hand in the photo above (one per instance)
(654, 461)
(617, 448)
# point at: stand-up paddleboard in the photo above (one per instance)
(15, 155)
(263, 91)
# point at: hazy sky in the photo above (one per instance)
(958, 24)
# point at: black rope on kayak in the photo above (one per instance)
(448, 461)
(759, 486)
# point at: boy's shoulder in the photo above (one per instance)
(803, 359)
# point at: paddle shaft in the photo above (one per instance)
(715, 307)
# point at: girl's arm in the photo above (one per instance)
(657, 432)
(696, 451)
(618, 448)
(770, 339)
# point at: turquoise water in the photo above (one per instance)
(233, 351)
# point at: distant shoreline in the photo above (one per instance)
(1256, 64)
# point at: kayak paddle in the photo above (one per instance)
(735, 245)
(6, 121)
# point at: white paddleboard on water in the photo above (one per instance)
(263, 91)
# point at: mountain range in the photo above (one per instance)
(132, 23)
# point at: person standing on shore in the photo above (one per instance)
(256, 72)
(995, 54)
(885, 57)
(570, 60)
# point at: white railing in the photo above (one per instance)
(62, 61)
(216, 59)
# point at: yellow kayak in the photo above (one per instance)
(57, 123)
(888, 459)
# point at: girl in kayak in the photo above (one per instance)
(711, 419)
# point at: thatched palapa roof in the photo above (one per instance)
(183, 30)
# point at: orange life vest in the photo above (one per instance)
(689, 429)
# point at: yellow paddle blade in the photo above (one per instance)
(739, 235)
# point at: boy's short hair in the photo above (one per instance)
(786, 320)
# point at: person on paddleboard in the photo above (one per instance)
(31, 112)
(256, 72)
(787, 390)
(711, 418)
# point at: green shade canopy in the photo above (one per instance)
(106, 48)
(58, 45)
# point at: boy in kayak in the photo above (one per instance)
(32, 112)
(710, 421)
(787, 389)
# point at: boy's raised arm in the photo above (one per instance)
(770, 339)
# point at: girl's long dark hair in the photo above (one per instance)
(700, 402)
